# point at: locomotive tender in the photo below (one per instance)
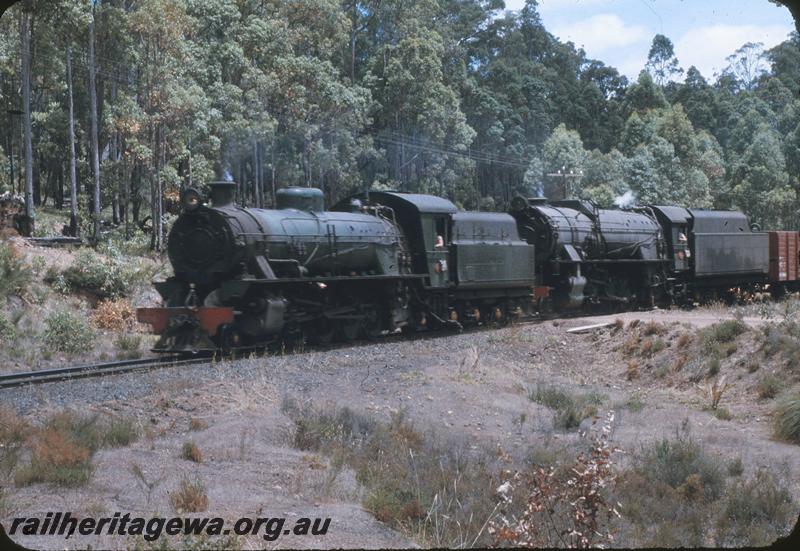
(382, 261)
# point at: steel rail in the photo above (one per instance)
(94, 370)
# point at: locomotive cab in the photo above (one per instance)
(676, 224)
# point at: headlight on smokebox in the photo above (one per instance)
(191, 199)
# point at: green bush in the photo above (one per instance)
(674, 462)
(15, 274)
(782, 339)
(769, 386)
(7, 329)
(66, 332)
(724, 331)
(569, 409)
(128, 346)
(103, 277)
(787, 419)
(756, 512)
(120, 432)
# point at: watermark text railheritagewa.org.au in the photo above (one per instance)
(65, 525)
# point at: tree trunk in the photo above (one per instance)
(73, 174)
(94, 137)
(25, 36)
(272, 167)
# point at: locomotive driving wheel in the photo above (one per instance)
(350, 329)
(322, 331)
(229, 337)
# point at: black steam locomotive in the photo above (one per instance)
(384, 261)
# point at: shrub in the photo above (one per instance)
(116, 315)
(7, 329)
(630, 345)
(768, 387)
(635, 403)
(653, 328)
(756, 511)
(735, 467)
(570, 508)
(713, 366)
(66, 332)
(723, 414)
(724, 331)
(190, 497)
(61, 451)
(787, 419)
(102, 277)
(191, 452)
(684, 340)
(569, 409)
(121, 432)
(782, 339)
(13, 434)
(128, 346)
(672, 462)
(440, 494)
(15, 275)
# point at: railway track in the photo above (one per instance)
(61, 374)
(96, 370)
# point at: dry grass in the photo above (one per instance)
(190, 497)
(683, 340)
(647, 347)
(58, 458)
(630, 345)
(632, 372)
(715, 390)
(191, 452)
(60, 451)
(653, 328)
(195, 424)
(14, 432)
(114, 315)
(440, 494)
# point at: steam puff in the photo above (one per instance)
(626, 200)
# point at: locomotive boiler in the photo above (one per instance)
(241, 274)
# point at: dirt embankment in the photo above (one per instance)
(500, 391)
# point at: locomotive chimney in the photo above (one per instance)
(222, 193)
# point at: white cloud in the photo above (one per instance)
(707, 47)
(600, 33)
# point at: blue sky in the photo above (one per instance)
(704, 32)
